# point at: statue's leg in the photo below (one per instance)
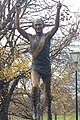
(35, 100)
(48, 97)
(35, 93)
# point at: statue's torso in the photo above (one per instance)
(42, 61)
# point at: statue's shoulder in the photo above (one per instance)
(31, 37)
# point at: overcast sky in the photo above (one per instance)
(72, 4)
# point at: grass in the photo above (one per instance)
(60, 117)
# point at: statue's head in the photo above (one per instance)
(38, 25)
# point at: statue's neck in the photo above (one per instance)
(39, 34)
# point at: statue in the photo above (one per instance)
(40, 47)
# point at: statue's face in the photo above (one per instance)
(38, 25)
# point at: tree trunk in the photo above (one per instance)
(3, 116)
(55, 116)
(64, 116)
(41, 117)
(6, 94)
(4, 107)
(4, 112)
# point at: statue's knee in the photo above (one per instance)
(34, 90)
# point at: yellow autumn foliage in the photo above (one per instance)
(16, 68)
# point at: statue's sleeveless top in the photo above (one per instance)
(42, 62)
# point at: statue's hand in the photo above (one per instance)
(59, 5)
(17, 7)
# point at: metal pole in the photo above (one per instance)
(76, 97)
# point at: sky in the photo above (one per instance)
(72, 4)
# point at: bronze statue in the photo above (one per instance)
(40, 48)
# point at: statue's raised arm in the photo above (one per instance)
(50, 34)
(17, 23)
